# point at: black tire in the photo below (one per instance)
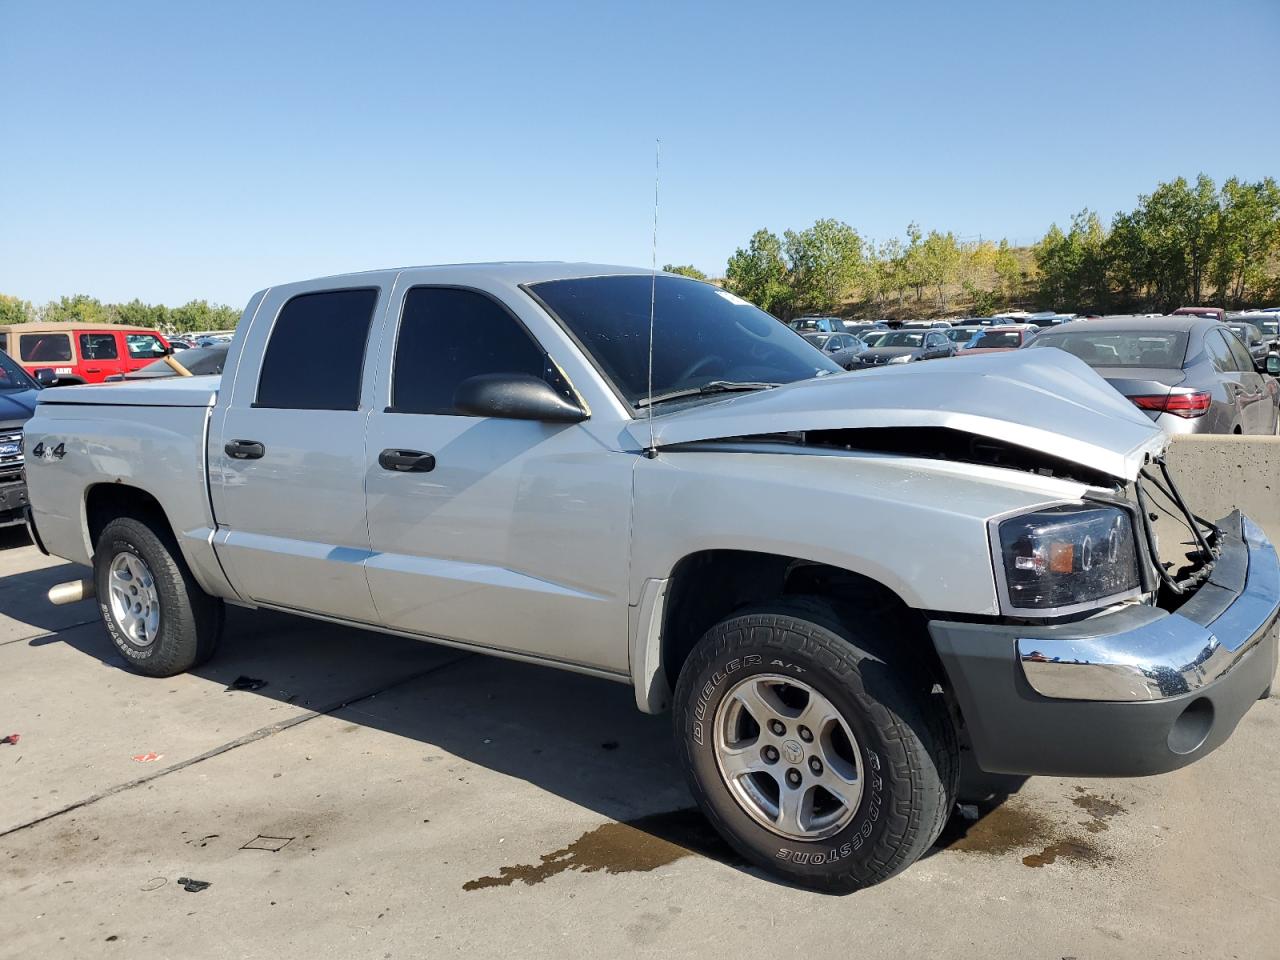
(190, 621)
(904, 733)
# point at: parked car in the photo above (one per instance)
(843, 348)
(1208, 313)
(1000, 338)
(822, 576)
(1258, 343)
(199, 361)
(905, 346)
(72, 352)
(963, 335)
(1189, 374)
(181, 343)
(17, 403)
(817, 325)
(926, 325)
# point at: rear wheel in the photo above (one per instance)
(159, 619)
(816, 752)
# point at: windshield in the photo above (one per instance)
(1246, 332)
(899, 338)
(960, 335)
(1270, 326)
(817, 339)
(13, 377)
(1120, 348)
(701, 334)
(997, 340)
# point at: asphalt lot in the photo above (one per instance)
(428, 803)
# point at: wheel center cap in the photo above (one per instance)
(792, 752)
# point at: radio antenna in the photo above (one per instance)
(652, 451)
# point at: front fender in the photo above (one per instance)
(917, 526)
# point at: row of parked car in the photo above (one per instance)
(1198, 370)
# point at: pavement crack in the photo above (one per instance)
(260, 734)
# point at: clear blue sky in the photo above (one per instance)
(174, 150)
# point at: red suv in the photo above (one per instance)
(80, 353)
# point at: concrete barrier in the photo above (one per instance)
(1220, 473)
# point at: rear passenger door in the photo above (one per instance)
(286, 452)
(100, 355)
(1256, 405)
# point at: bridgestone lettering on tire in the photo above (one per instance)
(157, 616)
(849, 771)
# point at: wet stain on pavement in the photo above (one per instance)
(634, 846)
(1009, 828)
(997, 830)
(1100, 809)
(1077, 850)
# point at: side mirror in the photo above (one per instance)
(46, 377)
(514, 396)
(1272, 365)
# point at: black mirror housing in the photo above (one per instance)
(514, 396)
(1272, 364)
(46, 377)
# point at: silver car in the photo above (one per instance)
(1188, 374)
(843, 348)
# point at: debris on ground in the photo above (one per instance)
(148, 757)
(12, 739)
(193, 886)
(245, 683)
(155, 883)
(272, 844)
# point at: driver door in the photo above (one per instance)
(508, 534)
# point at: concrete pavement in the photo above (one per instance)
(428, 803)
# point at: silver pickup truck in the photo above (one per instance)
(845, 586)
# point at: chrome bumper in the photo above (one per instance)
(1174, 654)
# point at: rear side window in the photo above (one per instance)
(1239, 353)
(45, 347)
(315, 356)
(1215, 344)
(98, 346)
(448, 335)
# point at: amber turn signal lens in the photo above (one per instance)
(1061, 557)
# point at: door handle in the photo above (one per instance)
(406, 461)
(245, 450)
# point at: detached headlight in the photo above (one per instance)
(1068, 557)
(905, 358)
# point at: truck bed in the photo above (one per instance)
(160, 392)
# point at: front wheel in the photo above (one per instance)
(159, 619)
(815, 751)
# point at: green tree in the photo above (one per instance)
(13, 310)
(81, 308)
(939, 263)
(201, 315)
(1009, 272)
(1073, 265)
(686, 270)
(759, 274)
(826, 263)
(1248, 240)
(138, 314)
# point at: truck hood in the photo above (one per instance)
(160, 392)
(1043, 400)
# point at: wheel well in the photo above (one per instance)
(105, 502)
(710, 585)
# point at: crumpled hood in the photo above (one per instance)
(1044, 400)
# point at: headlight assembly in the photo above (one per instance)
(904, 358)
(1066, 558)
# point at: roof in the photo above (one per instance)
(69, 326)
(1182, 324)
(515, 271)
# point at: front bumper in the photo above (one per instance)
(1134, 692)
(13, 500)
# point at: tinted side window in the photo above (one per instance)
(315, 357)
(448, 335)
(45, 347)
(1219, 353)
(1239, 353)
(98, 346)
